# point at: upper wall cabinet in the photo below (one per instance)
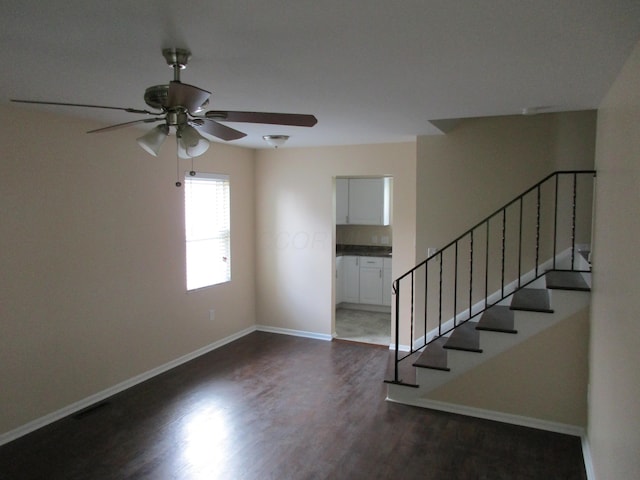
(363, 201)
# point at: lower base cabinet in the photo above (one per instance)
(386, 282)
(365, 280)
(351, 279)
(371, 280)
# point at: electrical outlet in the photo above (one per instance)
(431, 251)
(384, 240)
(212, 315)
(374, 239)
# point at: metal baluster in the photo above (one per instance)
(504, 227)
(426, 296)
(396, 289)
(486, 270)
(573, 221)
(470, 272)
(412, 308)
(455, 288)
(440, 299)
(520, 244)
(537, 229)
(555, 223)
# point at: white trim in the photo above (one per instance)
(102, 395)
(588, 459)
(496, 416)
(295, 333)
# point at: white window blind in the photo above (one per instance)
(207, 230)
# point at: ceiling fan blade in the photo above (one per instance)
(126, 124)
(217, 129)
(130, 110)
(187, 96)
(293, 119)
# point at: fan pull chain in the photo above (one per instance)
(178, 182)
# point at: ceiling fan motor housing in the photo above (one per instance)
(157, 96)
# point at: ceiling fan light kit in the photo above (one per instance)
(153, 139)
(191, 141)
(181, 106)
(275, 140)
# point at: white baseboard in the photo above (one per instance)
(104, 394)
(496, 416)
(295, 333)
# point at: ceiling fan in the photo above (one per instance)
(181, 106)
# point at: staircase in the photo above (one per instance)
(481, 326)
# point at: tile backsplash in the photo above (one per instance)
(364, 235)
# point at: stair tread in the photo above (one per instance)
(560, 280)
(465, 337)
(406, 372)
(498, 318)
(531, 300)
(434, 356)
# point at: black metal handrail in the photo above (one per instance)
(474, 235)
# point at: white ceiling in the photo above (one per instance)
(370, 70)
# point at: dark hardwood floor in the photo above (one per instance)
(271, 406)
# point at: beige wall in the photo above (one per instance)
(92, 275)
(296, 226)
(544, 378)
(486, 162)
(614, 413)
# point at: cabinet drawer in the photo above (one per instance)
(371, 262)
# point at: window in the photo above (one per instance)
(207, 230)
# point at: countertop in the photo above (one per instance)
(363, 250)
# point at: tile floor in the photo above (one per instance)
(363, 326)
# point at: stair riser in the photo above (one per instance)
(565, 304)
(564, 261)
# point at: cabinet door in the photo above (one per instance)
(342, 201)
(369, 201)
(366, 201)
(339, 281)
(371, 285)
(351, 279)
(386, 282)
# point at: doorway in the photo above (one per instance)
(364, 249)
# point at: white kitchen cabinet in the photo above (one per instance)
(351, 279)
(386, 282)
(363, 201)
(371, 280)
(342, 201)
(339, 281)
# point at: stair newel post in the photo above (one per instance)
(396, 289)
(470, 272)
(555, 222)
(573, 220)
(520, 242)
(455, 287)
(537, 228)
